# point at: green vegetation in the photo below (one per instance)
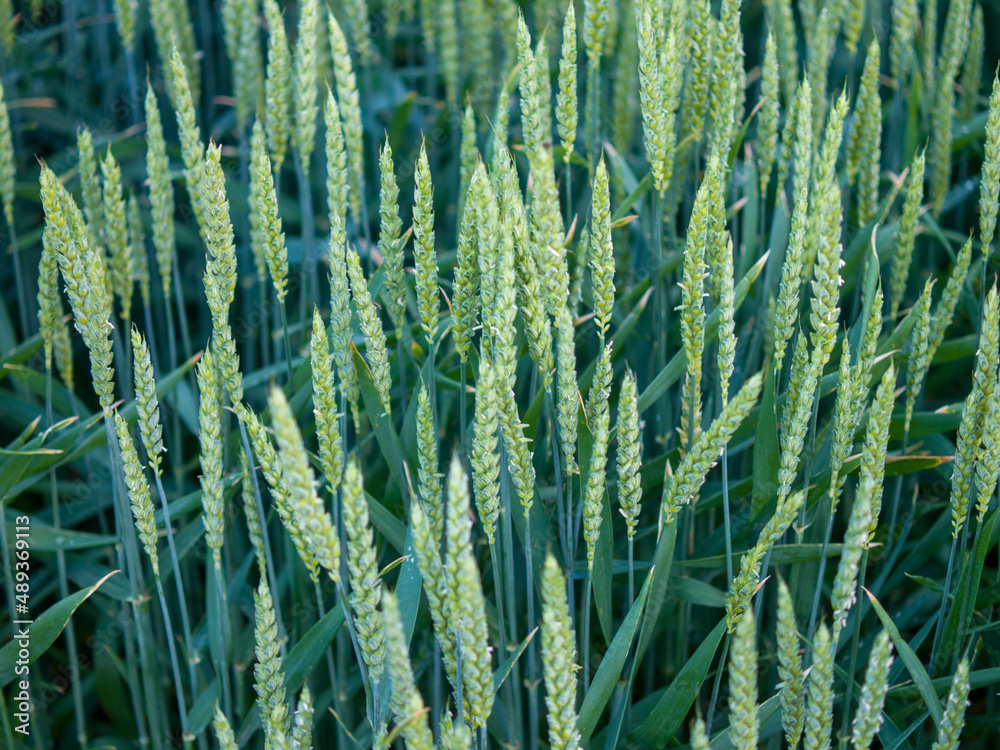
(539, 375)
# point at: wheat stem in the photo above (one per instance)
(192, 654)
(74, 663)
(174, 663)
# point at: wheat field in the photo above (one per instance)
(499, 374)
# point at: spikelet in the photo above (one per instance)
(699, 735)
(743, 686)
(272, 236)
(485, 461)
(362, 563)
(795, 417)
(278, 86)
(468, 154)
(953, 47)
(530, 273)
(458, 537)
(192, 149)
(428, 25)
(146, 401)
(988, 459)
(405, 700)
(792, 687)
(821, 46)
(984, 374)
(847, 412)
(428, 477)
(223, 732)
(448, 49)
(138, 492)
(182, 35)
(313, 521)
(965, 462)
(770, 112)
(558, 659)
(919, 361)
(161, 191)
(389, 242)
(598, 417)
(274, 473)
(86, 285)
(846, 581)
(567, 393)
(692, 306)
(972, 67)
(331, 449)
(371, 326)
(726, 73)
(876, 443)
(7, 167)
(220, 273)
(691, 472)
(864, 151)
(824, 312)
(357, 18)
(256, 238)
(519, 455)
(251, 98)
(253, 517)
(907, 234)
(8, 33)
(819, 713)
(989, 185)
(629, 453)
(477, 674)
(651, 88)
(305, 89)
(340, 311)
(501, 121)
(867, 349)
(727, 318)
(125, 21)
(428, 551)
(465, 302)
(51, 323)
(566, 101)
(90, 185)
(853, 18)
(595, 28)
(671, 65)
(787, 308)
(454, 736)
(701, 42)
(904, 24)
(302, 731)
(210, 441)
(350, 110)
(746, 582)
(488, 225)
(602, 258)
(546, 220)
(425, 257)
(477, 51)
(868, 715)
(269, 676)
(116, 236)
(953, 718)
